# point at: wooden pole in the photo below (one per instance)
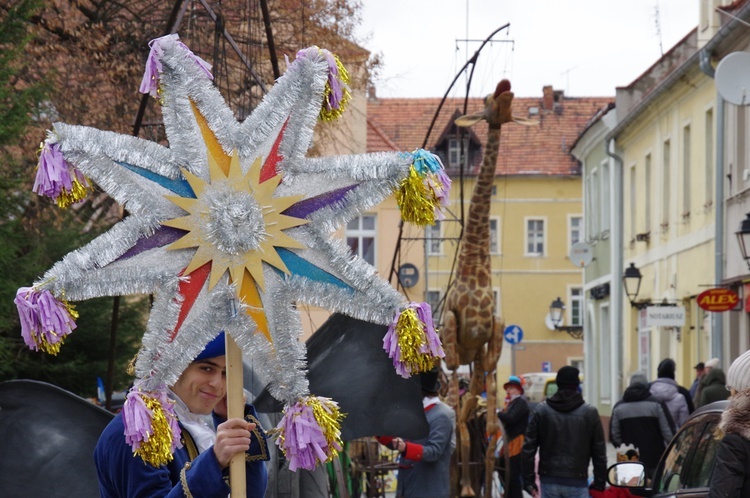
(235, 409)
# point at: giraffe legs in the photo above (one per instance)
(449, 338)
(494, 349)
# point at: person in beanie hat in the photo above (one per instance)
(568, 433)
(424, 464)
(707, 367)
(515, 419)
(731, 474)
(641, 421)
(713, 387)
(208, 441)
(700, 371)
(666, 390)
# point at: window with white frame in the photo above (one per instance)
(434, 238)
(686, 173)
(633, 203)
(575, 229)
(709, 160)
(604, 197)
(454, 151)
(604, 335)
(432, 297)
(647, 194)
(741, 145)
(535, 237)
(576, 306)
(494, 236)
(666, 183)
(360, 236)
(593, 203)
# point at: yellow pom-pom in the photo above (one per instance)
(416, 201)
(412, 342)
(336, 95)
(157, 450)
(77, 193)
(329, 417)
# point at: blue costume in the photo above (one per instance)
(123, 475)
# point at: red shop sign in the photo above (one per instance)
(718, 299)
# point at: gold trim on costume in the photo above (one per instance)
(183, 480)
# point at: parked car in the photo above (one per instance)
(686, 466)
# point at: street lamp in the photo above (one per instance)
(632, 281)
(556, 312)
(743, 237)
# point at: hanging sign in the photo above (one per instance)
(661, 316)
(718, 299)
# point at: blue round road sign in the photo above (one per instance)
(513, 334)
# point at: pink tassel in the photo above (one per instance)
(433, 346)
(151, 427)
(45, 321)
(154, 68)
(336, 94)
(310, 432)
(56, 179)
(411, 341)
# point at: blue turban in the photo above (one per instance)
(213, 349)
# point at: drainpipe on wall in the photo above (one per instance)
(717, 319)
(616, 268)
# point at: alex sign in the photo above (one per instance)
(661, 316)
(718, 299)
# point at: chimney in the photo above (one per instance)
(371, 95)
(548, 97)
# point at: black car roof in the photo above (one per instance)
(715, 407)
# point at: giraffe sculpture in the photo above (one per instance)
(472, 333)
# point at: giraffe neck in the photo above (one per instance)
(475, 248)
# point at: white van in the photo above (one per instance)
(538, 386)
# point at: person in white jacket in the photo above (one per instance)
(666, 390)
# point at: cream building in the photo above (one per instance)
(536, 214)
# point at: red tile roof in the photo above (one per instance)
(544, 149)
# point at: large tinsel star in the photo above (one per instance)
(231, 224)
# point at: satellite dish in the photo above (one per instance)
(733, 78)
(581, 254)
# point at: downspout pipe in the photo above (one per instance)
(616, 253)
(717, 319)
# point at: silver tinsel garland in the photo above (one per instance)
(137, 174)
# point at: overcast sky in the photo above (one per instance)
(583, 47)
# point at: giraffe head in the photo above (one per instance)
(496, 109)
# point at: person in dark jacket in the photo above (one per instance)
(515, 419)
(714, 387)
(568, 434)
(700, 371)
(731, 474)
(642, 421)
(707, 367)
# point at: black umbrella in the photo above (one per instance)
(346, 362)
(48, 439)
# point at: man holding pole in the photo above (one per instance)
(209, 441)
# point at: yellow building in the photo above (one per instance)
(666, 144)
(536, 214)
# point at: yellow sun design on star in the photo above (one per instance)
(236, 224)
